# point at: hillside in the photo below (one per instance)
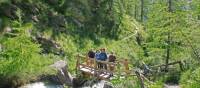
(36, 33)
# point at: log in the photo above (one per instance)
(172, 63)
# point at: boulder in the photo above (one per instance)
(62, 73)
(8, 29)
(66, 78)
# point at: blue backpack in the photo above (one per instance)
(103, 56)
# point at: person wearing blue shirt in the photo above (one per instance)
(103, 57)
(146, 69)
(97, 57)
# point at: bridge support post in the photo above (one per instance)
(77, 63)
(95, 68)
(140, 79)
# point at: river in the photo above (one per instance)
(100, 84)
(42, 85)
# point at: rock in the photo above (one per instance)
(35, 18)
(97, 84)
(108, 85)
(9, 32)
(8, 29)
(62, 73)
(66, 78)
(49, 45)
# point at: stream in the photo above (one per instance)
(100, 84)
(42, 85)
(64, 77)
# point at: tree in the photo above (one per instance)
(20, 57)
(142, 11)
(168, 38)
(165, 24)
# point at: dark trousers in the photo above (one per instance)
(101, 65)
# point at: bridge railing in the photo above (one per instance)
(118, 67)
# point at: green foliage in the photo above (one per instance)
(158, 84)
(190, 79)
(80, 25)
(19, 52)
(21, 58)
(128, 82)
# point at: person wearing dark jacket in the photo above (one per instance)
(112, 58)
(91, 56)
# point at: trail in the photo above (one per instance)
(171, 86)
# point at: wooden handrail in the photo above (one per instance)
(94, 68)
(111, 66)
(106, 62)
(103, 62)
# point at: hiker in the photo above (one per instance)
(146, 69)
(103, 57)
(112, 58)
(126, 67)
(91, 56)
(97, 57)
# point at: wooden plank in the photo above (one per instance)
(103, 74)
(98, 70)
(85, 65)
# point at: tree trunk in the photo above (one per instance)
(135, 14)
(142, 11)
(168, 38)
(168, 51)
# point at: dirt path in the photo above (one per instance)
(171, 86)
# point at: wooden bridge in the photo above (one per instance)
(89, 66)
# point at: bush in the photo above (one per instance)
(20, 59)
(190, 79)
